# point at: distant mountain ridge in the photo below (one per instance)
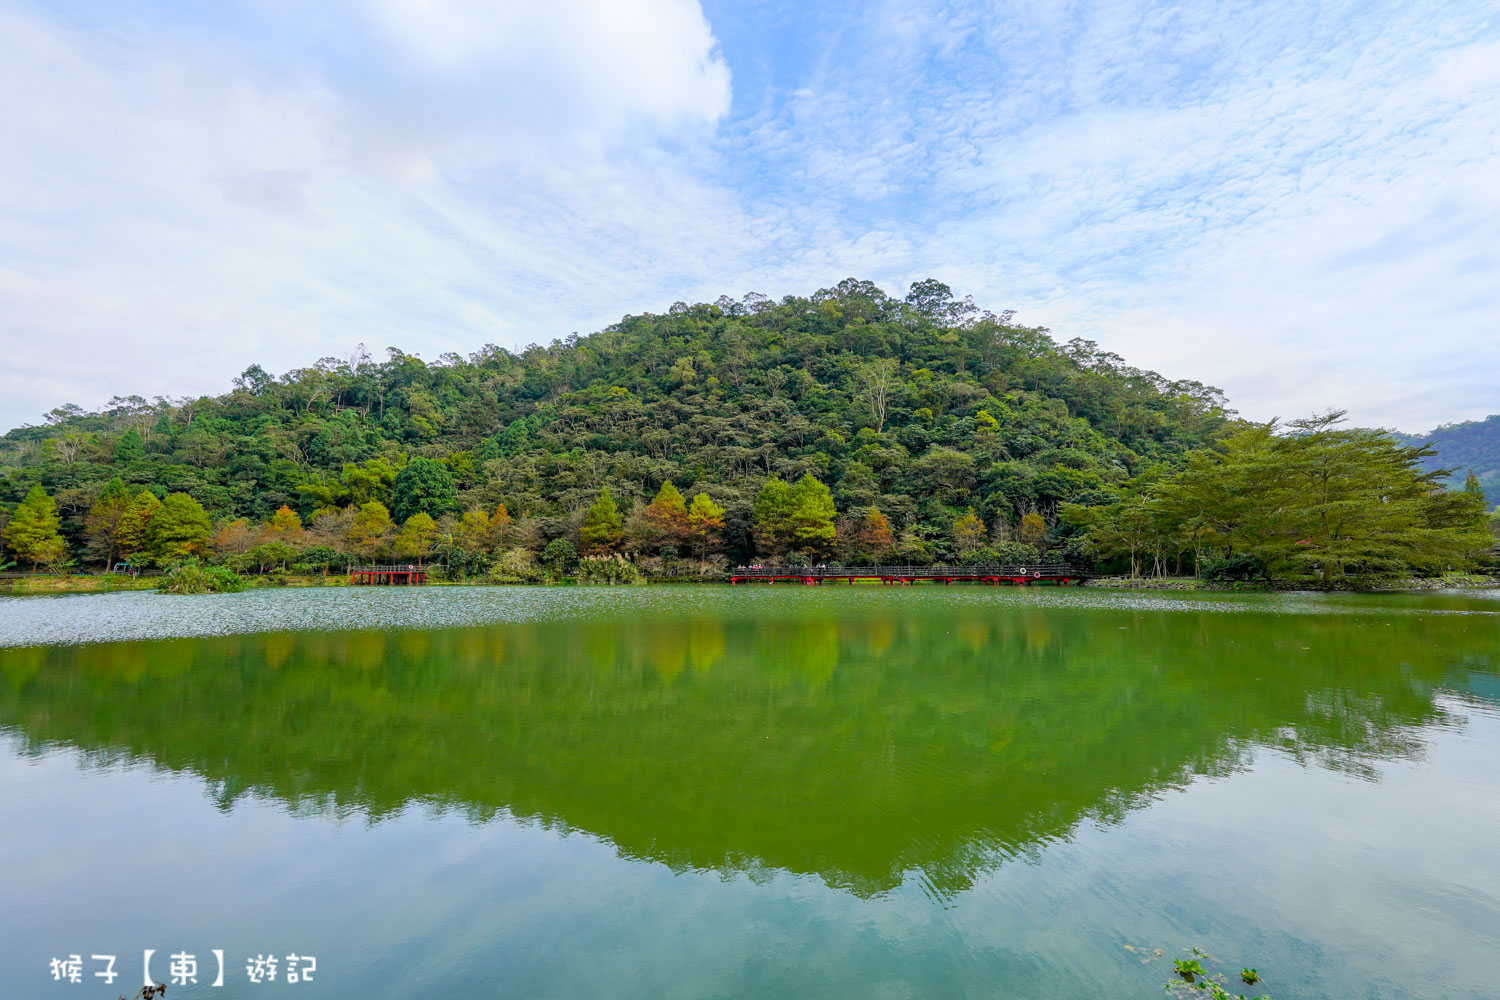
(1472, 444)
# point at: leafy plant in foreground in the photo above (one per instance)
(1193, 978)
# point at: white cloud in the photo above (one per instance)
(578, 60)
(170, 213)
(1292, 201)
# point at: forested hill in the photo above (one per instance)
(923, 407)
(1472, 445)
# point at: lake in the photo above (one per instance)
(684, 792)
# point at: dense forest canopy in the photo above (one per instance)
(846, 424)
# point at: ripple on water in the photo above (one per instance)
(84, 618)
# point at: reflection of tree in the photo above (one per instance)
(858, 749)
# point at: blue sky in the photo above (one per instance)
(1296, 202)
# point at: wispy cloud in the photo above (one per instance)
(1293, 201)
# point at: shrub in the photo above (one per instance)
(615, 569)
(1017, 553)
(191, 577)
(1238, 567)
(515, 566)
(1002, 554)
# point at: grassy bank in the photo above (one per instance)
(105, 583)
(69, 584)
(1450, 581)
(108, 583)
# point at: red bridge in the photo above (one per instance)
(1043, 573)
(407, 575)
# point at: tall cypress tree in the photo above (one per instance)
(601, 526)
(32, 532)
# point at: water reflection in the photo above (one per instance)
(862, 749)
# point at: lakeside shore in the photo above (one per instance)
(1452, 581)
(43, 584)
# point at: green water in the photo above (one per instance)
(789, 792)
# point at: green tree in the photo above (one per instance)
(560, 557)
(369, 528)
(180, 528)
(812, 517)
(424, 485)
(473, 533)
(601, 526)
(130, 448)
(269, 554)
(773, 518)
(32, 531)
(515, 439)
(1311, 499)
(103, 520)
(1361, 501)
(416, 537)
(370, 480)
(133, 533)
(1472, 487)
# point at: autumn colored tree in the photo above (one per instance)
(502, 529)
(601, 526)
(705, 524)
(668, 517)
(873, 539)
(1033, 528)
(284, 526)
(32, 532)
(103, 521)
(330, 532)
(133, 533)
(234, 538)
(968, 532)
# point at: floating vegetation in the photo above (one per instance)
(1200, 975)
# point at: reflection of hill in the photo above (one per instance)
(857, 751)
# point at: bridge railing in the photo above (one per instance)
(1032, 570)
(402, 568)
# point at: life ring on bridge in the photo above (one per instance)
(1037, 575)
